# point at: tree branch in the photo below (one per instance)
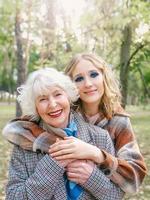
(135, 52)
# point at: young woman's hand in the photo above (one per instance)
(65, 162)
(74, 148)
(79, 171)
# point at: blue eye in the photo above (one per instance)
(79, 79)
(94, 74)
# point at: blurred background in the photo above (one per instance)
(39, 33)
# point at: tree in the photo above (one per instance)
(23, 48)
(112, 27)
(21, 67)
(124, 61)
(131, 45)
(46, 36)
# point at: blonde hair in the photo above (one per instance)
(112, 97)
(38, 83)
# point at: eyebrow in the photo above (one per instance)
(40, 96)
(76, 76)
(58, 90)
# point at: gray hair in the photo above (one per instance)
(38, 83)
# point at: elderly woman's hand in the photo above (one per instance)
(74, 148)
(65, 163)
(79, 171)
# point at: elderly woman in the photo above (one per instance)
(33, 172)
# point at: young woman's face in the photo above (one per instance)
(89, 81)
(54, 107)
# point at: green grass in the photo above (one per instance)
(140, 118)
(7, 112)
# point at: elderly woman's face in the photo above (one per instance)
(54, 107)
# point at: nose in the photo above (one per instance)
(52, 103)
(88, 82)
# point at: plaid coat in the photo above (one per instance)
(36, 176)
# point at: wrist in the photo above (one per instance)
(98, 156)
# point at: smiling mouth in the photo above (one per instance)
(56, 113)
(90, 92)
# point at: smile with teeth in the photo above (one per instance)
(55, 113)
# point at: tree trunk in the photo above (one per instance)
(124, 65)
(49, 32)
(21, 67)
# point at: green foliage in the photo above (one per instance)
(48, 43)
(34, 58)
(140, 62)
(7, 53)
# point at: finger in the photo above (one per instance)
(73, 169)
(64, 157)
(61, 152)
(75, 178)
(59, 147)
(72, 175)
(79, 170)
(77, 163)
(58, 143)
(73, 165)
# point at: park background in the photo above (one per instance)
(39, 33)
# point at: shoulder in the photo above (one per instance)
(120, 126)
(13, 128)
(120, 119)
(120, 122)
(121, 130)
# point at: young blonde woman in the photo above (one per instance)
(100, 104)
